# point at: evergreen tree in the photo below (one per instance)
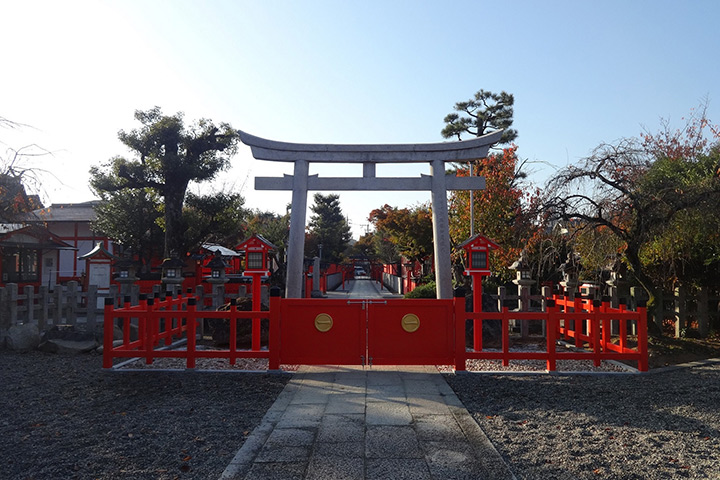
(329, 226)
(485, 112)
(168, 157)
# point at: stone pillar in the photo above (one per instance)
(680, 310)
(703, 316)
(296, 240)
(316, 293)
(441, 231)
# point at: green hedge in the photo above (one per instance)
(426, 290)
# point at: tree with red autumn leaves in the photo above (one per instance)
(654, 194)
(502, 211)
(408, 229)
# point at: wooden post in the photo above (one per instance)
(108, 331)
(460, 320)
(274, 336)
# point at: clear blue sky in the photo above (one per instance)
(378, 71)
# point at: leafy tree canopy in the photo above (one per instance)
(409, 229)
(646, 192)
(329, 226)
(485, 112)
(503, 211)
(167, 157)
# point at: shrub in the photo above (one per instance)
(426, 290)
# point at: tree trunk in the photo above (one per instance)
(654, 308)
(173, 221)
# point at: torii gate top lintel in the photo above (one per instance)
(466, 150)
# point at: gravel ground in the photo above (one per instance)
(654, 426)
(63, 417)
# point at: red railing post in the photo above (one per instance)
(192, 327)
(551, 326)
(642, 339)
(150, 321)
(126, 321)
(622, 331)
(459, 324)
(274, 336)
(505, 337)
(577, 323)
(606, 324)
(477, 308)
(233, 330)
(108, 330)
(595, 331)
(257, 307)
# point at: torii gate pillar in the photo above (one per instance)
(436, 154)
(296, 239)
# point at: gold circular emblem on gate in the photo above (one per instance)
(323, 322)
(410, 322)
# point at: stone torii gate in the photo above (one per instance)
(438, 183)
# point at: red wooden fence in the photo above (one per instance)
(588, 325)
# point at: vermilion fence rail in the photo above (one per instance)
(588, 324)
(160, 321)
(598, 332)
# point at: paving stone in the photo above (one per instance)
(387, 413)
(342, 428)
(310, 395)
(397, 469)
(292, 436)
(453, 460)
(324, 468)
(277, 471)
(384, 378)
(428, 405)
(441, 428)
(392, 442)
(346, 403)
(301, 416)
(340, 449)
(425, 387)
(273, 453)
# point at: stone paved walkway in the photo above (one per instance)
(367, 423)
(354, 422)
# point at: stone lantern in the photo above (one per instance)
(524, 280)
(217, 268)
(616, 283)
(126, 269)
(570, 272)
(172, 273)
(523, 271)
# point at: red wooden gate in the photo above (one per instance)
(361, 332)
(411, 332)
(327, 332)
